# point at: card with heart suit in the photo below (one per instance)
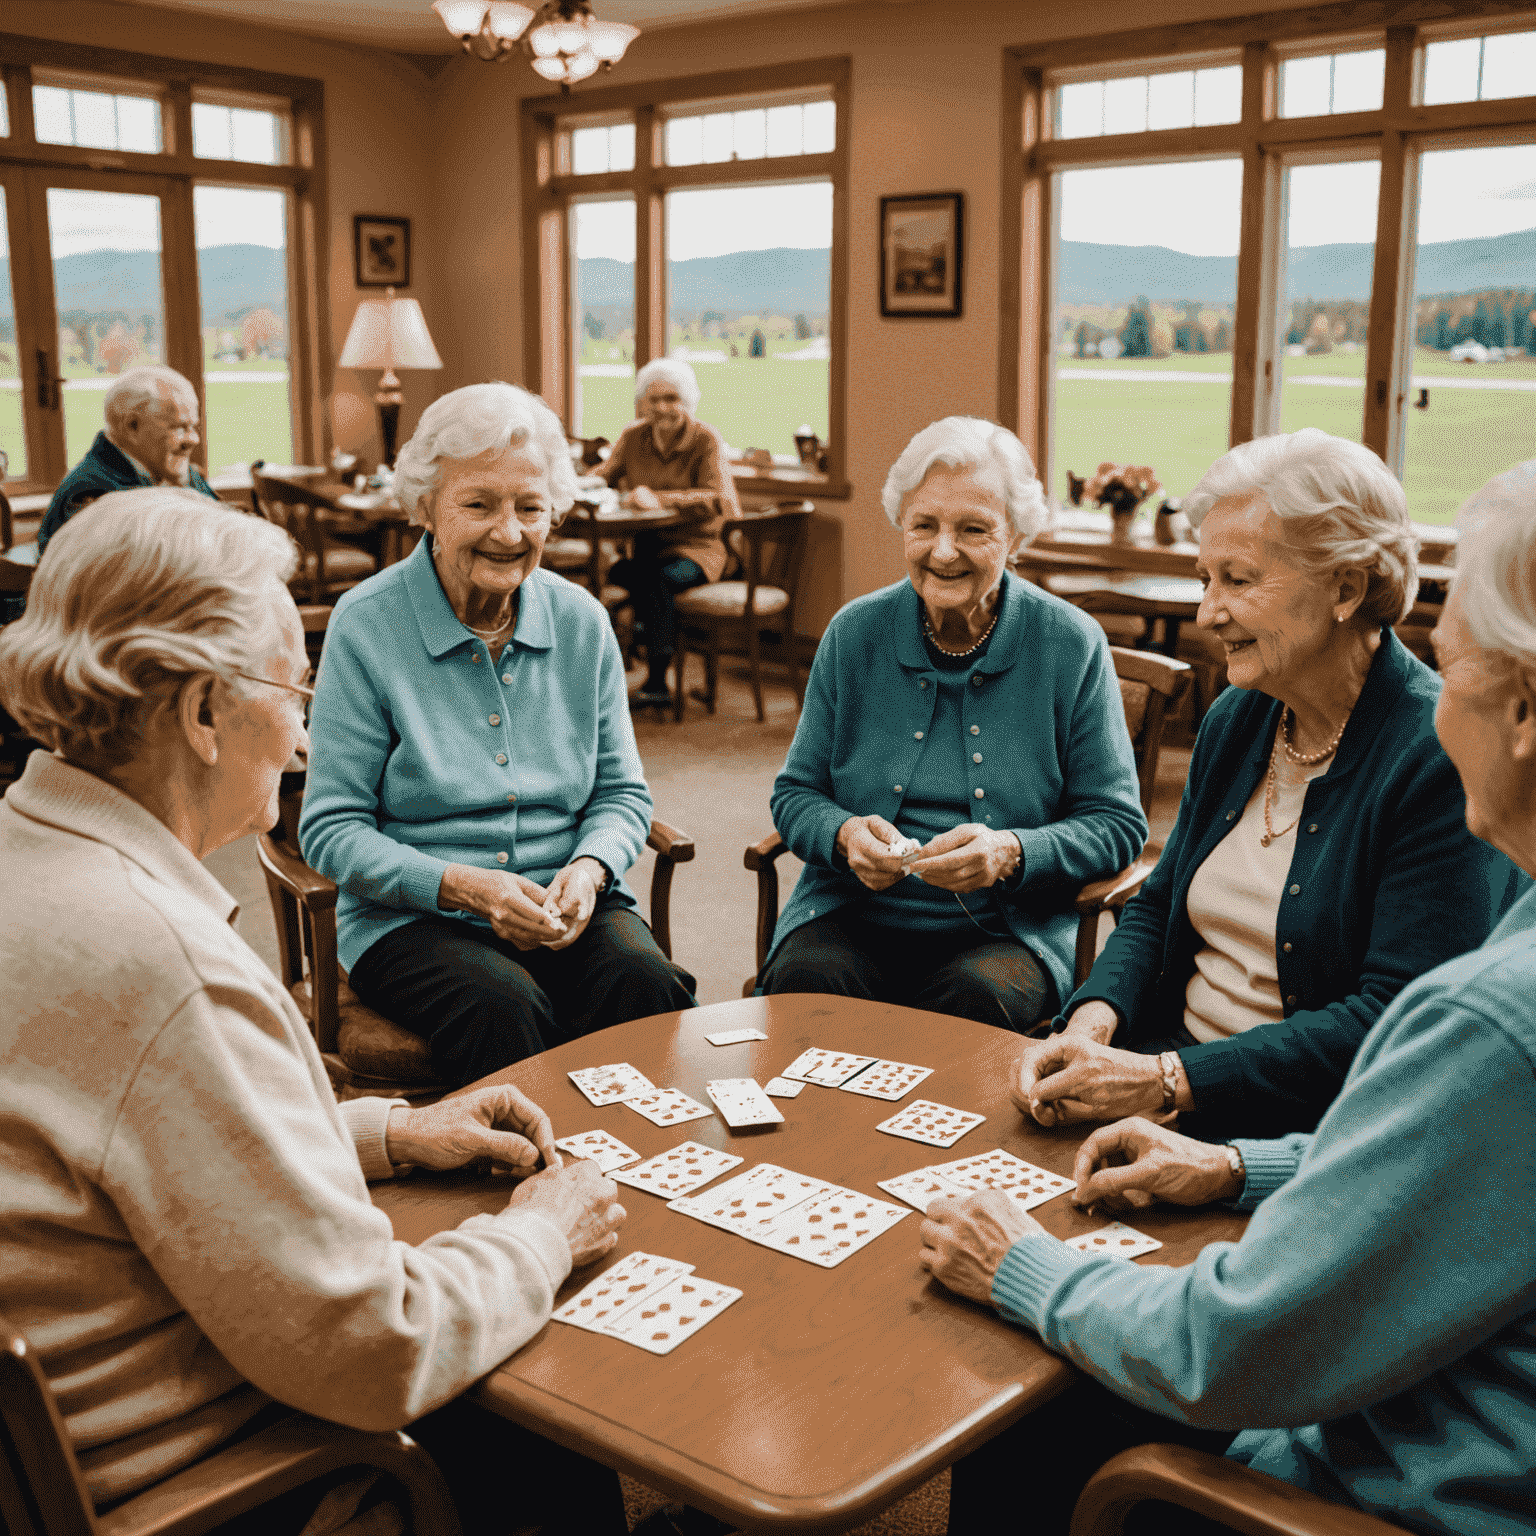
(829, 1069)
(936, 1125)
(611, 1084)
(618, 1288)
(827, 1229)
(922, 1187)
(888, 1080)
(679, 1172)
(782, 1088)
(1118, 1239)
(741, 1101)
(666, 1106)
(676, 1312)
(608, 1152)
(1020, 1181)
(731, 1205)
(734, 1036)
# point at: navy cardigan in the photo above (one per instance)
(1385, 884)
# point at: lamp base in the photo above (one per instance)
(388, 398)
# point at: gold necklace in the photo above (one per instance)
(1272, 783)
(934, 640)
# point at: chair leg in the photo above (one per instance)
(712, 671)
(755, 659)
(680, 661)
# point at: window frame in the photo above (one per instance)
(302, 177)
(549, 188)
(1397, 134)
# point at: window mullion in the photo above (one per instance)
(1249, 401)
(650, 245)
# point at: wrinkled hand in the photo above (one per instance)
(1127, 1166)
(969, 857)
(501, 1123)
(581, 1202)
(964, 1241)
(642, 499)
(573, 893)
(865, 841)
(1078, 1079)
(515, 910)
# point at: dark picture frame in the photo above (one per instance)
(922, 256)
(381, 250)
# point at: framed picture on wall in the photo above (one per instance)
(921, 255)
(381, 250)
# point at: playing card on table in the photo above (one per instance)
(611, 1084)
(1122, 1241)
(734, 1036)
(666, 1106)
(922, 1187)
(678, 1172)
(936, 1125)
(828, 1068)
(731, 1205)
(825, 1230)
(1022, 1182)
(676, 1312)
(888, 1080)
(742, 1102)
(782, 1088)
(618, 1288)
(608, 1152)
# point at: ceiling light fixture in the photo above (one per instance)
(563, 40)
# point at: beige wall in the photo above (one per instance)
(379, 153)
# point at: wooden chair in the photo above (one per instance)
(42, 1492)
(1221, 1490)
(329, 565)
(772, 549)
(1148, 682)
(364, 1052)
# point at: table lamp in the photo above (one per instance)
(389, 333)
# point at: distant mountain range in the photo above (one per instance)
(782, 281)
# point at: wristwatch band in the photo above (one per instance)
(1169, 1062)
(1235, 1160)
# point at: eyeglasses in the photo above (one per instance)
(298, 688)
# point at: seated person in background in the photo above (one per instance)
(1321, 858)
(1372, 1334)
(669, 458)
(474, 786)
(186, 1235)
(150, 433)
(975, 715)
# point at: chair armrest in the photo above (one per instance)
(1221, 1490)
(760, 856)
(1112, 894)
(275, 1461)
(670, 843)
(314, 892)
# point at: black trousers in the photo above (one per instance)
(651, 576)
(483, 1003)
(968, 975)
(1036, 1468)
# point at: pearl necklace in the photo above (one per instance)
(1304, 759)
(933, 639)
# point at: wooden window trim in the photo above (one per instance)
(547, 190)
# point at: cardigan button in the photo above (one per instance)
(981, 794)
(512, 800)
(922, 682)
(975, 757)
(501, 759)
(474, 656)
(506, 677)
(1295, 890)
(1313, 827)
(1287, 948)
(975, 730)
(976, 681)
(501, 858)
(1231, 815)
(495, 719)
(896, 789)
(1290, 1002)
(917, 735)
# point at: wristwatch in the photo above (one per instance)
(1235, 1162)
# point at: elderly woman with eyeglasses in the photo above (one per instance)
(474, 786)
(186, 1235)
(669, 458)
(1321, 858)
(961, 765)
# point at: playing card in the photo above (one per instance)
(936, 1125)
(782, 1088)
(676, 1312)
(611, 1084)
(742, 1102)
(1118, 1239)
(734, 1036)
(608, 1152)
(922, 1187)
(730, 1205)
(827, 1068)
(825, 1230)
(666, 1106)
(888, 1080)
(618, 1288)
(678, 1172)
(1022, 1182)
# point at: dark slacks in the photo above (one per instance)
(969, 974)
(482, 1003)
(651, 576)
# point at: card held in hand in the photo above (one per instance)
(1118, 1239)
(611, 1084)
(618, 1288)
(684, 1169)
(890, 1080)
(666, 1106)
(742, 1102)
(608, 1152)
(936, 1125)
(676, 1312)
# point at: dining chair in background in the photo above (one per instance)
(330, 564)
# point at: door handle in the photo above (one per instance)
(47, 382)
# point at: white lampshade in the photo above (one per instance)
(389, 333)
(508, 20)
(609, 39)
(550, 69)
(580, 65)
(461, 17)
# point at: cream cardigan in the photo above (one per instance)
(185, 1227)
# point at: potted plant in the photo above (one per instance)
(1120, 487)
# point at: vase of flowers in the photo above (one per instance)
(1121, 488)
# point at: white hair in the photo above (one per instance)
(142, 389)
(1496, 564)
(467, 422)
(968, 442)
(673, 371)
(137, 593)
(1340, 504)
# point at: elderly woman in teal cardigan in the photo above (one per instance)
(961, 766)
(1321, 858)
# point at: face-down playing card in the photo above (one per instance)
(612, 1083)
(936, 1125)
(890, 1080)
(618, 1288)
(679, 1172)
(608, 1152)
(676, 1312)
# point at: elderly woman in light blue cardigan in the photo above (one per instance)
(474, 785)
(961, 766)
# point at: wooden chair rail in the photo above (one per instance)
(1222, 1490)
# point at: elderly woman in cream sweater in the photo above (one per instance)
(186, 1236)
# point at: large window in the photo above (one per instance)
(703, 221)
(1349, 244)
(163, 217)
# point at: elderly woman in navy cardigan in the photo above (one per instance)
(961, 765)
(1321, 859)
